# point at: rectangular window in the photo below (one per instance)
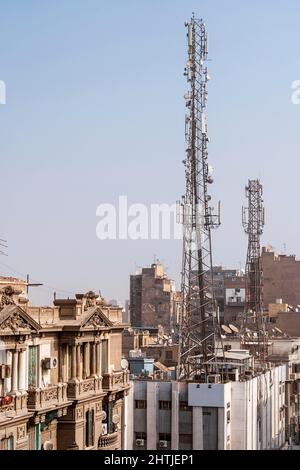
(141, 404)
(89, 428)
(183, 406)
(164, 437)
(165, 405)
(7, 443)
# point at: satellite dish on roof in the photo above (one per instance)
(226, 329)
(234, 328)
(48, 445)
(104, 416)
(116, 419)
(124, 364)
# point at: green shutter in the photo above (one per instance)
(33, 367)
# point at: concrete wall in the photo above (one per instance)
(250, 415)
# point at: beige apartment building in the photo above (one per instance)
(152, 299)
(62, 385)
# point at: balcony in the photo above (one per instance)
(116, 380)
(48, 397)
(109, 442)
(13, 405)
(83, 388)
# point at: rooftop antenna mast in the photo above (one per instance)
(253, 223)
(199, 326)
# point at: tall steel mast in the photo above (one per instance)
(253, 222)
(199, 325)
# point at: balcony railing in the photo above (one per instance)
(81, 388)
(105, 442)
(116, 380)
(13, 405)
(43, 398)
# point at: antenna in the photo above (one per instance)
(253, 218)
(31, 284)
(199, 328)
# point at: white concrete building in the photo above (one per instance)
(237, 415)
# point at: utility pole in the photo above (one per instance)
(199, 328)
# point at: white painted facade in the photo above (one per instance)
(246, 415)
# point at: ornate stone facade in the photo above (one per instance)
(54, 393)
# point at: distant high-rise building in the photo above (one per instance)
(281, 278)
(151, 298)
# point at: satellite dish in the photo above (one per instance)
(116, 419)
(104, 415)
(124, 364)
(234, 328)
(48, 445)
(226, 329)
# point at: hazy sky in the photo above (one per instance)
(95, 110)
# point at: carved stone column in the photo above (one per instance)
(98, 359)
(22, 370)
(73, 372)
(93, 359)
(86, 360)
(65, 363)
(78, 365)
(60, 363)
(14, 385)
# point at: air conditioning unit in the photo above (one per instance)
(104, 429)
(50, 363)
(214, 379)
(7, 372)
(294, 398)
(140, 442)
(2, 371)
(163, 444)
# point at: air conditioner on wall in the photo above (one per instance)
(140, 442)
(50, 363)
(5, 371)
(163, 444)
(104, 429)
(214, 379)
(2, 371)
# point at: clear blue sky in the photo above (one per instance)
(95, 110)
